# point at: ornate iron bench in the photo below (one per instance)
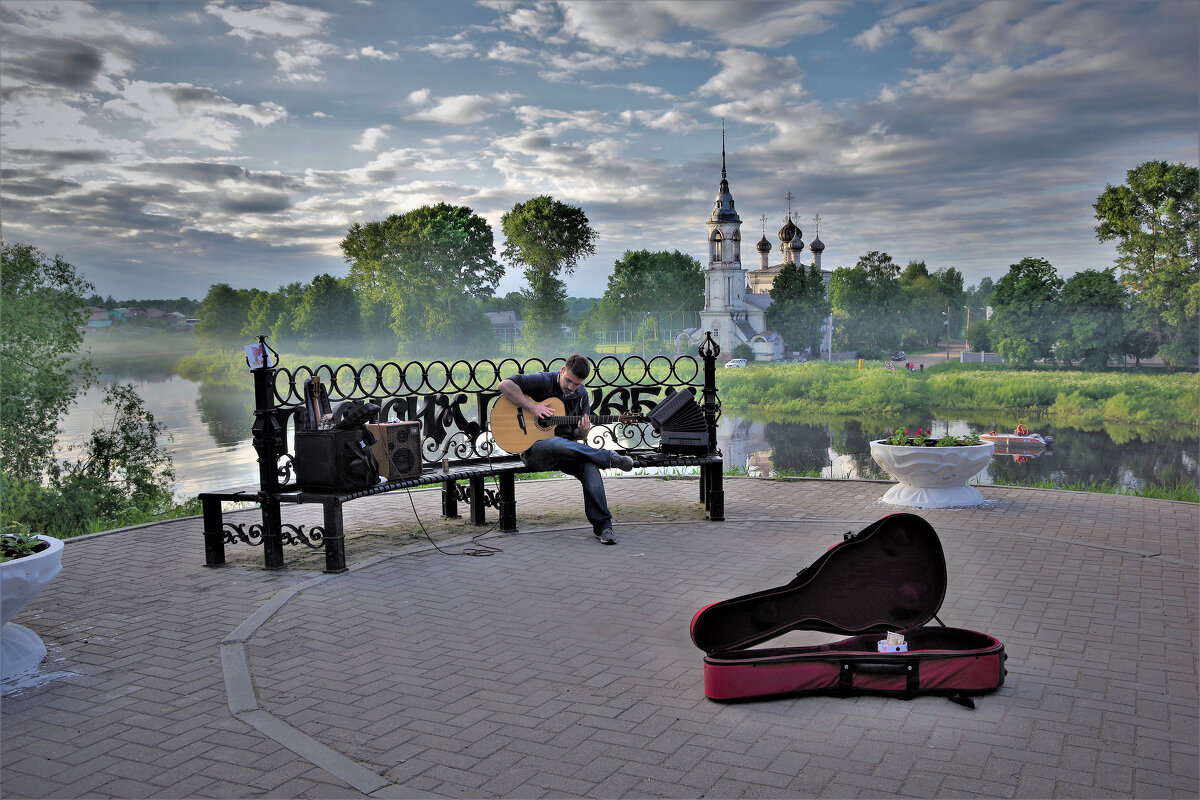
(452, 402)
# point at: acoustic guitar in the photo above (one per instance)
(516, 430)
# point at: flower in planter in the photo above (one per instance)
(16, 543)
(924, 438)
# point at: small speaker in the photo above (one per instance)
(397, 448)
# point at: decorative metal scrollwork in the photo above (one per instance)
(241, 532)
(451, 400)
(294, 534)
(252, 534)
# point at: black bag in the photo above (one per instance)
(335, 460)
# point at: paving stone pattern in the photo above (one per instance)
(557, 667)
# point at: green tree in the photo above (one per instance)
(42, 306)
(421, 264)
(927, 299)
(866, 301)
(288, 300)
(223, 314)
(980, 297)
(1093, 324)
(328, 311)
(660, 282)
(1155, 219)
(799, 307)
(979, 335)
(122, 468)
(546, 238)
(1026, 303)
(265, 309)
(123, 476)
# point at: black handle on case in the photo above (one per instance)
(908, 667)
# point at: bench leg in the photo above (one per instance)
(715, 493)
(478, 517)
(272, 534)
(334, 538)
(508, 502)
(214, 532)
(449, 500)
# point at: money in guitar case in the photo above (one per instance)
(880, 587)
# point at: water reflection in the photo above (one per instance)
(211, 424)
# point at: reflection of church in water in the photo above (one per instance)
(736, 301)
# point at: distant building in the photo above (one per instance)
(736, 302)
(505, 326)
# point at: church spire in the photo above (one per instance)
(724, 210)
(723, 180)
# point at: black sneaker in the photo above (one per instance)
(606, 536)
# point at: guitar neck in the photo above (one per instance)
(596, 420)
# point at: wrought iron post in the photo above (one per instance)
(712, 491)
(270, 444)
(709, 350)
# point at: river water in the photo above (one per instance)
(210, 435)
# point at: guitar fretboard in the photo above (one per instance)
(546, 422)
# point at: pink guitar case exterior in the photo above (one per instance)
(889, 577)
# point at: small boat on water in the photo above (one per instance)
(1020, 439)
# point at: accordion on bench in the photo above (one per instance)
(680, 424)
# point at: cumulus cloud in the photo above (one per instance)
(553, 122)
(502, 51)
(189, 113)
(449, 49)
(669, 120)
(377, 55)
(67, 46)
(463, 109)
(371, 137)
(301, 62)
(273, 19)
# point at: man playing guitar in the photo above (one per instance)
(562, 451)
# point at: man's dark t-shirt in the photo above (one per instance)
(542, 385)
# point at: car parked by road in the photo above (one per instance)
(735, 362)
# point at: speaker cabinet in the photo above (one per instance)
(397, 448)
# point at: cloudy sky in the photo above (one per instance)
(162, 147)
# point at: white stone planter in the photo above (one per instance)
(21, 580)
(932, 477)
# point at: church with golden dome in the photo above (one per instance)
(736, 300)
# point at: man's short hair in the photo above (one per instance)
(579, 366)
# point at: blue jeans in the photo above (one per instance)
(580, 462)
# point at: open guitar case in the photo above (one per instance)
(888, 577)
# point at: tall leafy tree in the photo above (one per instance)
(669, 286)
(799, 306)
(546, 238)
(42, 301)
(1093, 324)
(1027, 307)
(421, 264)
(1155, 219)
(866, 302)
(222, 315)
(328, 311)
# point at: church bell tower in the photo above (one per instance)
(724, 278)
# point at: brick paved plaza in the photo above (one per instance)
(557, 667)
